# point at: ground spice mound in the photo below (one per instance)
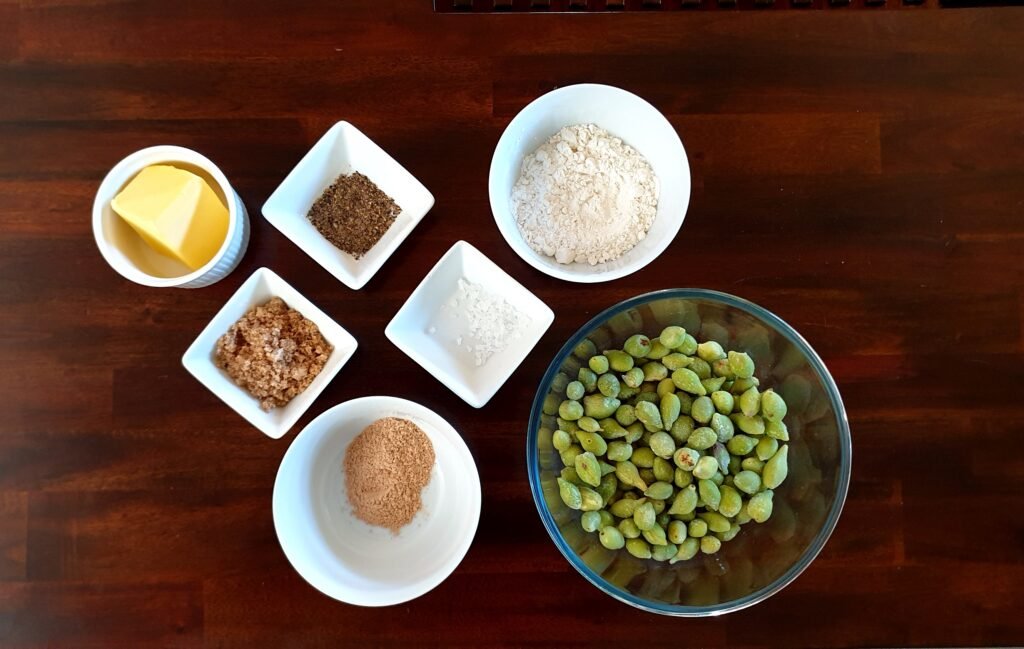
(273, 352)
(386, 467)
(353, 214)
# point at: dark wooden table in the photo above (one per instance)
(860, 174)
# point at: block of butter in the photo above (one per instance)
(175, 212)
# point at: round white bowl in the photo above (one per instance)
(348, 559)
(132, 258)
(622, 114)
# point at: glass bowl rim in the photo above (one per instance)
(845, 455)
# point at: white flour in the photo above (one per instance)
(493, 322)
(584, 196)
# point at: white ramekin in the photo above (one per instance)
(117, 241)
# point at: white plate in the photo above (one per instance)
(348, 559)
(263, 285)
(434, 335)
(621, 113)
(344, 150)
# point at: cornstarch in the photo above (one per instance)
(584, 196)
(493, 322)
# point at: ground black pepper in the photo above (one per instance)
(353, 214)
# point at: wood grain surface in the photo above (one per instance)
(859, 174)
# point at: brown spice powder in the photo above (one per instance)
(273, 352)
(386, 468)
(353, 214)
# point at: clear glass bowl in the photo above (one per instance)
(763, 558)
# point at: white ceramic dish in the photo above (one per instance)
(624, 115)
(263, 285)
(344, 150)
(433, 334)
(348, 559)
(129, 255)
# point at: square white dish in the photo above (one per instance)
(263, 285)
(437, 336)
(343, 149)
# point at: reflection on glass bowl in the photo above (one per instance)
(763, 558)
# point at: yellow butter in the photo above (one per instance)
(175, 212)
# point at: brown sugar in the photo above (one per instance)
(353, 214)
(386, 468)
(274, 352)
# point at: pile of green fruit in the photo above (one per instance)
(669, 446)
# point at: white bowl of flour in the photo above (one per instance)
(556, 218)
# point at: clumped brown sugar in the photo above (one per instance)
(353, 214)
(273, 352)
(386, 468)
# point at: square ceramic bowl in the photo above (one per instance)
(263, 285)
(344, 150)
(435, 333)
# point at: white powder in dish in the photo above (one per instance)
(493, 322)
(585, 196)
